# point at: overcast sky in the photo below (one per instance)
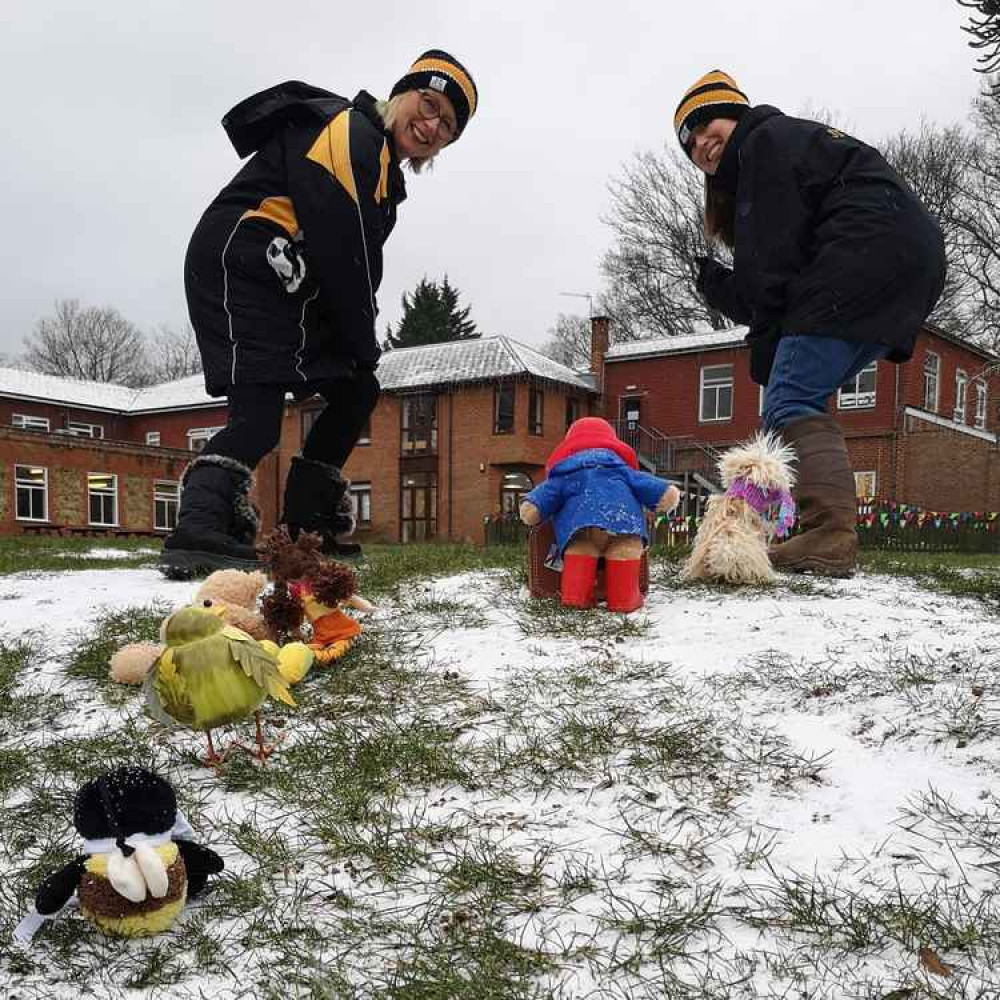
(111, 110)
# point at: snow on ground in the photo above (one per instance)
(811, 670)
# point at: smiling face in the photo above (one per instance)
(424, 124)
(708, 142)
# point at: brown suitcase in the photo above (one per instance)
(544, 582)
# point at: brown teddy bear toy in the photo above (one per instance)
(238, 593)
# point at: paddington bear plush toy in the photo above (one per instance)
(595, 496)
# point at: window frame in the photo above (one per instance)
(156, 443)
(32, 488)
(982, 402)
(26, 420)
(75, 428)
(203, 434)
(719, 385)
(572, 410)
(159, 498)
(411, 432)
(858, 478)
(960, 413)
(112, 493)
(536, 411)
(361, 498)
(932, 377)
(500, 390)
(855, 399)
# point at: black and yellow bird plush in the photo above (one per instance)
(212, 674)
(141, 863)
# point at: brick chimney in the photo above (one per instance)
(599, 337)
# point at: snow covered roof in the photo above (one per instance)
(184, 393)
(708, 340)
(471, 361)
(406, 368)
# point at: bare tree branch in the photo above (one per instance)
(96, 343)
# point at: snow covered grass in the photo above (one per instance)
(731, 794)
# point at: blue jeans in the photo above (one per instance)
(808, 370)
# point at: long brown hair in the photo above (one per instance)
(720, 213)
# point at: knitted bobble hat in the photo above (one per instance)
(715, 95)
(437, 70)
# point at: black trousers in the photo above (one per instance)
(253, 426)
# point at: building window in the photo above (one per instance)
(512, 491)
(419, 432)
(932, 371)
(418, 506)
(166, 501)
(760, 401)
(153, 438)
(572, 410)
(198, 436)
(78, 429)
(961, 387)
(361, 501)
(102, 497)
(503, 408)
(864, 484)
(860, 391)
(307, 419)
(981, 405)
(716, 393)
(31, 487)
(28, 423)
(536, 411)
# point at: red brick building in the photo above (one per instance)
(923, 433)
(461, 432)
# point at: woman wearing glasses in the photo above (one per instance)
(281, 276)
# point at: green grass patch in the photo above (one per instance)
(23, 553)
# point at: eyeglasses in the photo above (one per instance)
(429, 108)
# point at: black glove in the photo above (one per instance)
(710, 271)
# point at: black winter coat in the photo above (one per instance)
(829, 240)
(282, 270)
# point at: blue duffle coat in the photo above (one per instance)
(595, 488)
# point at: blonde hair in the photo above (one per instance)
(389, 111)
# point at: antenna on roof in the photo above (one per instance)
(582, 295)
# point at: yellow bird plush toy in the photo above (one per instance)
(212, 674)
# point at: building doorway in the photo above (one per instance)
(513, 488)
(418, 506)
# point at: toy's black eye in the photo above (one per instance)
(207, 602)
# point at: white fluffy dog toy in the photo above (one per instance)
(731, 544)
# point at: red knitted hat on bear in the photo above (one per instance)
(587, 433)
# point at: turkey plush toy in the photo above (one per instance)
(595, 496)
(141, 863)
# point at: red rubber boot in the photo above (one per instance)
(578, 581)
(621, 579)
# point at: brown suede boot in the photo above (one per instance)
(828, 542)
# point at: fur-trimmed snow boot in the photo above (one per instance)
(828, 543)
(317, 498)
(216, 524)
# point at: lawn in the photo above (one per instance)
(783, 793)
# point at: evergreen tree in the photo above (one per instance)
(431, 316)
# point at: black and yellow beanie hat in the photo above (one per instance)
(715, 95)
(436, 70)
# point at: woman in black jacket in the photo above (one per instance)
(836, 263)
(281, 275)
